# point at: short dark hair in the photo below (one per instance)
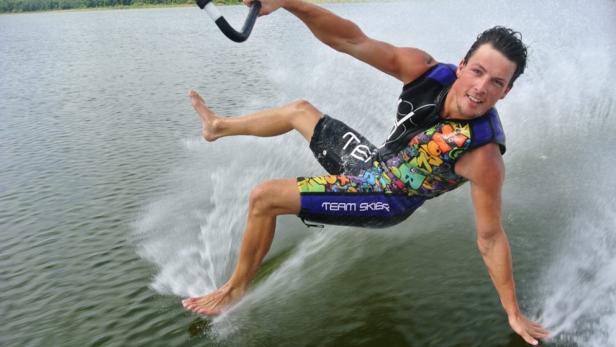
(508, 42)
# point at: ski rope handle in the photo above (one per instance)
(224, 26)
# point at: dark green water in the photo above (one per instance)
(112, 209)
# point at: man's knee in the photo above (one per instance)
(305, 117)
(305, 108)
(275, 197)
(261, 198)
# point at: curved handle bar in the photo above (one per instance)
(225, 27)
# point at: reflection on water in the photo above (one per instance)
(112, 208)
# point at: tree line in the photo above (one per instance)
(47, 5)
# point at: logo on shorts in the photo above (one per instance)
(359, 152)
(353, 206)
(374, 206)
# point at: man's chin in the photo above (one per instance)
(475, 112)
(471, 115)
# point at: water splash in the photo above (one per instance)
(580, 303)
(278, 287)
(192, 232)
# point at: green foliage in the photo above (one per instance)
(46, 5)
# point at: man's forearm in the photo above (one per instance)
(329, 28)
(497, 257)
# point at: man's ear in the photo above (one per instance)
(461, 66)
(506, 92)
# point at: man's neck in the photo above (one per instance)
(449, 110)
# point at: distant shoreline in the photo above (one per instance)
(143, 6)
(104, 8)
(108, 8)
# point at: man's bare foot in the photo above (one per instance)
(211, 121)
(214, 303)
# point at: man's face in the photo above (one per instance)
(481, 82)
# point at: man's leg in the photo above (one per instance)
(268, 200)
(299, 115)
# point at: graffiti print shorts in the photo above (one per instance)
(358, 191)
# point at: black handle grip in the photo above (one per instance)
(225, 27)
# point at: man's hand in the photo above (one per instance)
(267, 6)
(527, 329)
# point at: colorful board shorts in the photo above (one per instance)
(360, 190)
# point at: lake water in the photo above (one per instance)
(112, 208)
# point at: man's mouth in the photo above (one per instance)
(474, 99)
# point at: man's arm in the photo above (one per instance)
(485, 169)
(406, 64)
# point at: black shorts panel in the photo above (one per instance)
(339, 148)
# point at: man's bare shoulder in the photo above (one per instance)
(413, 62)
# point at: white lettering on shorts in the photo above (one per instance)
(353, 138)
(339, 206)
(352, 206)
(359, 152)
(374, 206)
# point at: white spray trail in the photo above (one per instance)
(192, 233)
(580, 303)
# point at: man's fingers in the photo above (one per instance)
(533, 333)
(530, 339)
(530, 331)
(540, 334)
(538, 330)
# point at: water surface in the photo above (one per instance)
(112, 208)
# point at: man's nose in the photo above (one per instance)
(482, 85)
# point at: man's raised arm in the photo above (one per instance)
(405, 64)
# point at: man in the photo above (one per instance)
(446, 133)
